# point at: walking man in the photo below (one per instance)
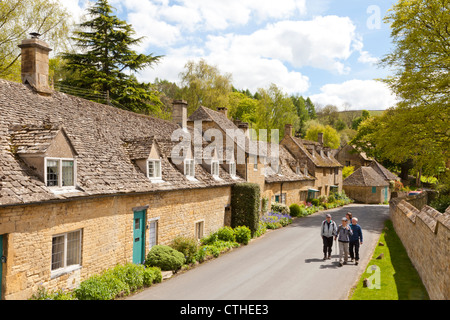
(344, 232)
(327, 232)
(355, 240)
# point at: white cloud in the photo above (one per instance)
(358, 94)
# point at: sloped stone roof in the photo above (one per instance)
(383, 172)
(365, 177)
(320, 161)
(97, 132)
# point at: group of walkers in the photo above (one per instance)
(348, 235)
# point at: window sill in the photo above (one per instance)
(60, 272)
(62, 190)
(157, 181)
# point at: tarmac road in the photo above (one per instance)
(285, 264)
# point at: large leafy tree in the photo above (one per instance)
(106, 63)
(331, 137)
(204, 85)
(418, 127)
(18, 18)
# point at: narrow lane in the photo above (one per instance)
(285, 264)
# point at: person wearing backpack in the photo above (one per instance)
(328, 230)
(344, 232)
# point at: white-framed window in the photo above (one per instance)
(215, 168)
(199, 227)
(233, 169)
(60, 172)
(154, 169)
(153, 232)
(189, 168)
(66, 252)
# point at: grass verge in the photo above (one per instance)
(394, 277)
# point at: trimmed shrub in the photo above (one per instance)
(187, 246)
(226, 234)
(245, 198)
(242, 234)
(294, 210)
(164, 257)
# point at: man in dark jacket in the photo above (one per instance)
(355, 240)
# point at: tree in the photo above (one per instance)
(331, 137)
(303, 115)
(311, 109)
(204, 85)
(357, 121)
(106, 61)
(242, 107)
(18, 18)
(417, 129)
(274, 110)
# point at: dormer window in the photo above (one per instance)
(189, 168)
(215, 168)
(154, 169)
(59, 172)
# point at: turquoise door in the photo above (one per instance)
(386, 193)
(139, 237)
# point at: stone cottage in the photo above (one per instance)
(348, 156)
(365, 185)
(316, 160)
(285, 182)
(86, 186)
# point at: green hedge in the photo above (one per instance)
(245, 198)
(165, 257)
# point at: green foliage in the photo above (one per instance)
(226, 234)
(441, 203)
(165, 257)
(331, 199)
(106, 60)
(347, 171)
(243, 234)
(331, 137)
(187, 246)
(245, 199)
(43, 294)
(294, 210)
(152, 275)
(315, 202)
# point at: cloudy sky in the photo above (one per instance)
(324, 49)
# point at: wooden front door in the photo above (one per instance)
(139, 237)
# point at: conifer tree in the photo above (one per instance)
(107, 63)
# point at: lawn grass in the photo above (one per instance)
(399, 278)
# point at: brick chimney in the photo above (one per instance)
(35, 64)
(288, 130)
(320, 138)
(179, 115)
(223, 110)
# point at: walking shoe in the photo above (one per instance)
(340, 264)
(324, 257)
(356, 262)
(329, 257)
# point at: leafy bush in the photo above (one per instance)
(226, 234)
(294, 210)
(441, 203)
(261, 229)
(331, 199)
(245, 198)
(130, 274)
(164, 257)
(152, 275)
(347, 171)
(101, 287)
(43, 294)
(315, 202)
(280, 208)
(187, 246)
(243, 234)
(323, 199)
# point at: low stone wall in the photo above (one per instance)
(425, 234)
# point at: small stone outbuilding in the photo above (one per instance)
(365, 185)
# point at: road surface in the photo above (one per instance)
(285, 264)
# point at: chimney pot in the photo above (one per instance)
(179, 114)
(223, 110)
(35, 69)
(288, 130)
(320, 138)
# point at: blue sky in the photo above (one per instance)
(324, 49)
